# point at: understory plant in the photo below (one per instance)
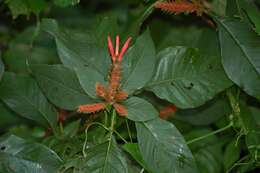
(167, 86)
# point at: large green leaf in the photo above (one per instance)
(20, 156)
(240, 49)
(139, 109)
(22, 94)
(105, 158)
(205, 114)
(163, 148)
(60, 85)
(76, 50)
(186, 78)
(138, 64)
(88, 79)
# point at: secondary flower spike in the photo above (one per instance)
(181, 6)
(112, 94)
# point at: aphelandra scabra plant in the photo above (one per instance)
(166, 86)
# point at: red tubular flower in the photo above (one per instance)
(111, 94)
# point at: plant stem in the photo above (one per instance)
(106, 117)
(210, 134)
(128, 130)
(113, 117)
(86, 138)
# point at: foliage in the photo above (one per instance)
(180, 95)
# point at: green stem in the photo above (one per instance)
(110, 137)
(129, 131)
(86, 132)
(106, 117)
(118, 134)
(210, 134)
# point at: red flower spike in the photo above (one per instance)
(124, 48)
(111, 48)
(183, 6)
(117, 45)
(112, 94)
(120, 109)
(121, 95)
(91, 108)
(101, 91)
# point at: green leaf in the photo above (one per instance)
(133, 150)
(72, 129)
(186, 78)
(88, 79)
(22, 94)
(207, 152)
(251, 131)
(66, 3)
(252, 12)
(231, 154)
(205, 114)
(138, 64)
(240, 51)
(17, 7)
(25, 7)
(163, 148)
(18, 156)
(75, 50)
(104, 25)
(105, 158)
(8, 117)
(139, 109)
(61, 86)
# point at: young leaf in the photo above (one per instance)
(105, 158)
(22, 94)
(186, 78)
(138, 64)
(60, 85)
(75, 51)
(163, 148)
(88, 79)
(18, 155)
(139, 109)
